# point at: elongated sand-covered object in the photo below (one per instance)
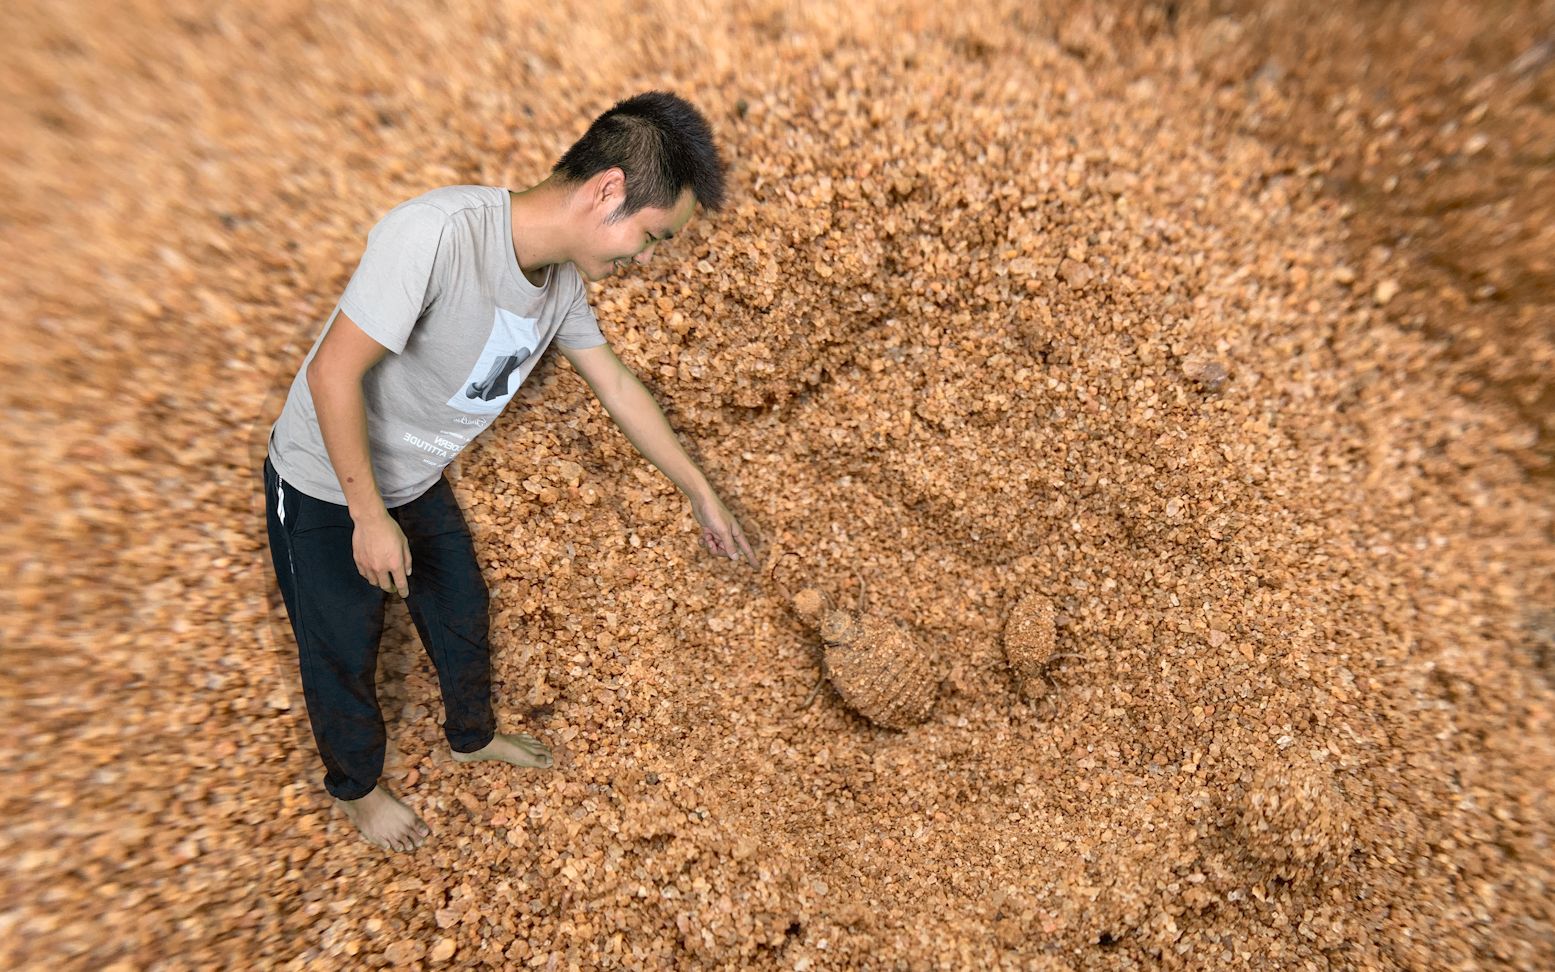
(879, 669)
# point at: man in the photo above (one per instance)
(456, 297)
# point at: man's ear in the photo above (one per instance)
(610, 192)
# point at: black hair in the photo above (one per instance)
(661, 143)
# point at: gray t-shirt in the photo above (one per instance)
(440, 287)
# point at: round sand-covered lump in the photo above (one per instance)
(879, 669)
(1030, 641)
(1294, 821)
(809, 603)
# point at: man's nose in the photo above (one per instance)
(646, 254)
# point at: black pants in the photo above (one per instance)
(337, 616)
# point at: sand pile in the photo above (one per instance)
(1007, 304)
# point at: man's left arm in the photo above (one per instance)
(640, 419)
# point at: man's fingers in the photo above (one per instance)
(728, 542)
(389, 581)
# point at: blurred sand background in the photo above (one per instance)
(959, 337)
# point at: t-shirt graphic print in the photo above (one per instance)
(491, 383)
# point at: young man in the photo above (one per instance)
(457, 296)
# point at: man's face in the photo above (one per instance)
(632, 239)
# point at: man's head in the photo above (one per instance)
(639, 171)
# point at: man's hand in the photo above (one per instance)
(720, 531)
(382, 554)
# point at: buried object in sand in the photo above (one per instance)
(1031, 643)
(878, 668)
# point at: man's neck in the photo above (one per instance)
(540, 230)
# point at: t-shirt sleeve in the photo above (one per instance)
(580, 328)
(397, 277)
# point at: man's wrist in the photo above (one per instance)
(365, 510)
(699, 492)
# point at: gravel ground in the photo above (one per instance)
(1223, 332)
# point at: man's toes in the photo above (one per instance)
(536, 748)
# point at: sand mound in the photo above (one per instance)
(1294, 822)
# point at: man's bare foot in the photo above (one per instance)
(386, 822)
(517, 748)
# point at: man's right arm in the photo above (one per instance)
(334, 379)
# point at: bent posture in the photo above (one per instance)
(416, 359)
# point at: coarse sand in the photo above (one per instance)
(1225, 329)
